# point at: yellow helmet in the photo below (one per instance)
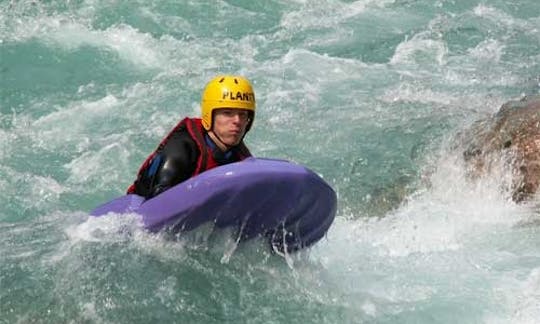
(227, 91)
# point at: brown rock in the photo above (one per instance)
(513, 135)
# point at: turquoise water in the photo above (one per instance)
(369, 94)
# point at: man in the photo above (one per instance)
(198, 144)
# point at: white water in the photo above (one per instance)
(366, 93)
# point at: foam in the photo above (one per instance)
(315, 14)
(495, 15)
(100, 167)
(447, 236)
(75, 122)
(420, 49)
(442, 217)
(314, 73)
(112, 228)
(406, 92)
(519, 292)
(130, 44)
(5, 139)
(42, 191)
(70, 125)
(488, 50)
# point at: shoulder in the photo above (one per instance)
(180, 141)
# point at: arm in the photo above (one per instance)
(175, 163)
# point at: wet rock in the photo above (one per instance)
(512, 136)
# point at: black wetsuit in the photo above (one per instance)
(178, 159)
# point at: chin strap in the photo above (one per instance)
(221, 141)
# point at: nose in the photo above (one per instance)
(236, 119)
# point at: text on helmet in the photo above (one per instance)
(243, 96)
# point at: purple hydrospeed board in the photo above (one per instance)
(286, 202)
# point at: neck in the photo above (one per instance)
(219, 143)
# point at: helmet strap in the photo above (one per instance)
(216, 136)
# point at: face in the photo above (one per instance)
(230, 125)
